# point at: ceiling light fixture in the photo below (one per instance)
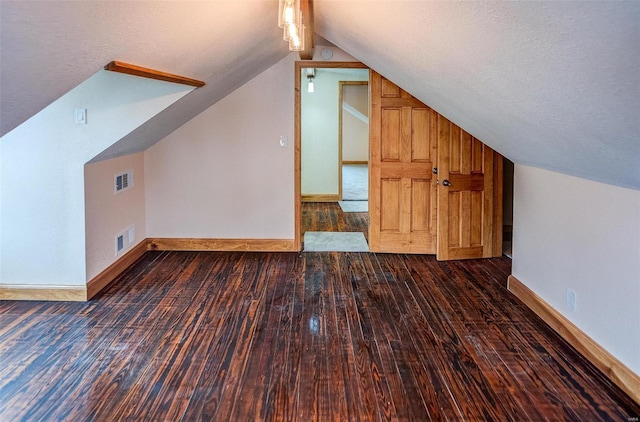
(311, 74)
(290, 20)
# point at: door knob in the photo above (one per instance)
(445, 182)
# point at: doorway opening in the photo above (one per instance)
(507, 211)
(331, 148)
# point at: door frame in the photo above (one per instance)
(297, 155)
(341, 85)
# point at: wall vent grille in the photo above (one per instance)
(119, 243)
(125, 239)
(123, 181)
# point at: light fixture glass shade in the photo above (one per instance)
(296, 40)
(287, 11)
(290, 31)
(310, 87)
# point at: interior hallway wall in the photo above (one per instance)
(355, 123)
(224, 174)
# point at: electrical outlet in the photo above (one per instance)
(571, 300)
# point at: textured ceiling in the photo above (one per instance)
(49, 47)
(550, 84)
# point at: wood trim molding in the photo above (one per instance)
(109, 274)
(132, 69)
(102, 280)
(611, 367)
(354, 162)
(43, 292)
(306, 6)
(229, 245)
(321, 198)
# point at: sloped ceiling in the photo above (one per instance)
(550, 84)
(49, 47)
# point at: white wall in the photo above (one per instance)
(224, 174)
(108, 214)
(571, 233)
(319, 126)
(43, 203)
(355, 138)
(355, 123)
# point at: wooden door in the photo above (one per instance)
(402, 189)
(469, 196)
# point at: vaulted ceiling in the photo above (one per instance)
(550, 84)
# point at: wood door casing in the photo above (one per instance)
(470, 209)
(402, 189)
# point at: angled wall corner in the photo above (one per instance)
(108, 213)
(42, 174)
(572, 233)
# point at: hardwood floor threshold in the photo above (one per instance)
(131, 69)
(102, 280)
(611, 367)
(320, 198)
(223, 245)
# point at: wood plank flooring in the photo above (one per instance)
(328, 217)
(185, 336)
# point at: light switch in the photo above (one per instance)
(81, 116)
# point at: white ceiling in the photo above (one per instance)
(550, 84)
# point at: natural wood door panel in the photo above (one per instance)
(390, 196)
(389, 89)
(420, 215)
(402, 187)
(468, 214)
(391, 133)
(420, 136)
(410, 211)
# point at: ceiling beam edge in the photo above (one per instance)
(307, 15)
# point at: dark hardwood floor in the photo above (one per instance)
(328, 217)
(187, 336)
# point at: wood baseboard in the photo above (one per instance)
(321, 198)
(43, 292)
(228, 245)
(616, 371)
(102, 280)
